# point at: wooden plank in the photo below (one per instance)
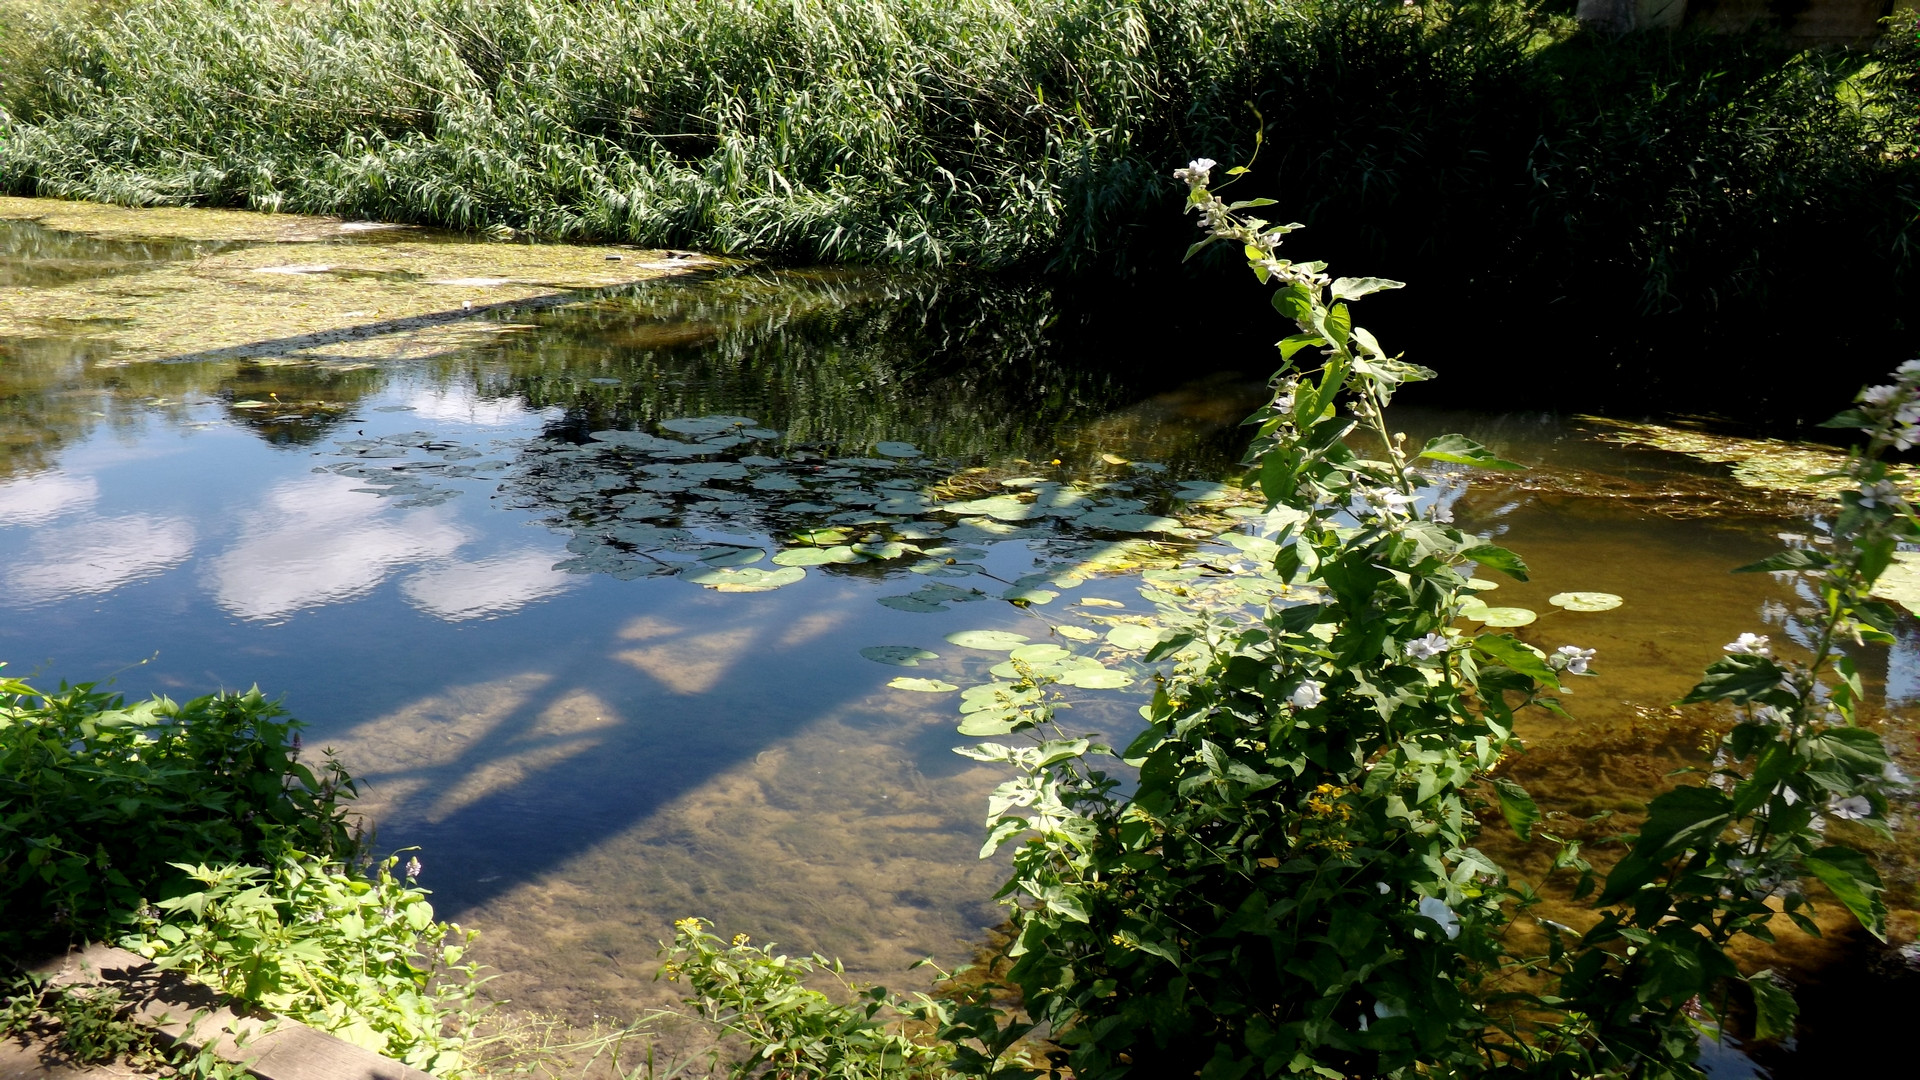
(187, 1012)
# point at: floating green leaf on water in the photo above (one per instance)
(1585, 601)
(1021, 595)
(746, 579)
(1040, 653)
(1076, 633)
(898, 655)
(734, 557)
(821, 536)
(1482, 584)
(1133, 637)
(1498, 616)
(1098, 601)
(897, 450)
(911, 602)
(1097, 679)
(924, 686)
(987, 640)
(706, 425)
(1900, 581)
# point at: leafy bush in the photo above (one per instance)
(359, 956)
(98, 798)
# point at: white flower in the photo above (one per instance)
(1851, 808)
(1878, 492)
(1908, 372)
(1307, 695)
(1890, 773)
(1283, 403)
(1439, 912)
(1195, 174)
(1872, 395)
(1382, 886)
(1383, 1010)
(1749, 645)
(1442, 513)
(1575, 658)
(1424, 648)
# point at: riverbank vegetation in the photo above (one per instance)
(1641, 196)
(195, 835)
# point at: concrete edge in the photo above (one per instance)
(188, 1013)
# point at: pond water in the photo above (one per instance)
(581, 593)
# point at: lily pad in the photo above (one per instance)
(1482, 584)
(925, 686)
(821, 536)
(1585, 601)
(898, 655)
(1040, 653)
(1133, 636)
(1097, 679)
(987, 724)
(896, 450)
(705, 425)
(987, 640)
(805, 557)
(745, 579)
(1098, 601)
(1505, 617)
(1900, 582)
(911, 602)
(1029, 596)
(1076, 633)
(734, 557)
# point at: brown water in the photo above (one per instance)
(493, 615)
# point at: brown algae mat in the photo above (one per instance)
(278, 286)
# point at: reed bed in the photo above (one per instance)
(1634, 190)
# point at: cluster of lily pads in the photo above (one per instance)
(717, 501)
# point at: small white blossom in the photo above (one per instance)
(1439, 912)
(1427, 647)
(1196, 172)
(1878, 492)
(1307, 695)
(1891, 774)
(413, 867)
(1748, 645)
(1383, 1010)
(1382, 886)
(1909, 371)
(1575, 658)
(1851, 808)
(1876, 396)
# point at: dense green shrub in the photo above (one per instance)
(98, 798)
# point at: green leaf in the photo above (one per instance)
(1353, 288)
(924, 686)
(1585, 601)
(898, 655)
(1097, 679)
(1133, 637)
(1513, 653)
(1791, 559)
(1739, 678)
(1774, 1009)
(1517, 807)
(1293, 344)
(1042, 653)
(987, 640)
(1460, 450)
(1852, 880)
(1505, 616)
(1494, 557)
(896, 450)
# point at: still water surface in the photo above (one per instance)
(476, 573)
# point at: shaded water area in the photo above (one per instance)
(578, 579)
